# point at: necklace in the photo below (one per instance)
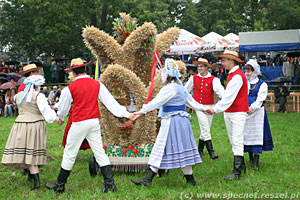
(254, 86)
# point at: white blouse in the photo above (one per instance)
(261, 96)
(45, 109)
(164, 95)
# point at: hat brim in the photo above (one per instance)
(230, 56)
(77, 66)
(30, 70)
(200, 62)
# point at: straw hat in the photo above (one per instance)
(77, 62)
(29, 68)
(202, 61)
(231, 55)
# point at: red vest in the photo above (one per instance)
(240, 103)
(85, 92)
(21, 87)
(203, 90)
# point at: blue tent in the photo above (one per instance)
(284, 40)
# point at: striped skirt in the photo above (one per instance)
(181, 149)
(26, 145)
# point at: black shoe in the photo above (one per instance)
(147, 180)
(251, 157)
(107, 174)
(190, 180)
(255, 162)
(59, 185)
(210, 150)
(201, 147)
(36, 181)
(238, 166)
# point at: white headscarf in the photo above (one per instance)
(167, 70)
(31, 81)
(255, 66)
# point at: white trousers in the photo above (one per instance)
(235, 123)
(205, 121)
(89, 129)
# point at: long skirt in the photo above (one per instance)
(26, 145)
(181, 149)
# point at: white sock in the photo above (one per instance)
(187, 170)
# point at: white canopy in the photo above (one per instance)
(187, 42)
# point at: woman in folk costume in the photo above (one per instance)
(257, 133)
(175, 146)
(26, 144)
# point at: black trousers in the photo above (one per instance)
(281, 100)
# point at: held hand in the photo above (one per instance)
(53, 107)
(250, 111)
(59, 121)
(136, 115)
(210, 111)
(131, 116)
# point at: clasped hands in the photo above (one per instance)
(59, 121)
(134, 116)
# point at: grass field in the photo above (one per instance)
(278, 176)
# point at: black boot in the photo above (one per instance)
(238, 166)
(59, 185)
(201, 147)
(210, 150)
(190, 180)
(251, 157)
(147, 180)
(255, 162)
(36, 181)
(107, 174)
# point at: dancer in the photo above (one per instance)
(235, 104)
(204, 85)
(84, 92)
(257, 133)
(175, 146)
(26, 144)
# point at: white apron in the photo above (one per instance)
(254, 128)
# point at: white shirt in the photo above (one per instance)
(105, 97)
(261, 96)
(230, 93)
(164, 95)
(217, 86)
(45, 109)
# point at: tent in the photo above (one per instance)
(216, 42)
(233, 37)
(187, 43)
(283, 40)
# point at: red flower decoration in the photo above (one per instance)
(135, 150)
(124, 150)
(104, 147)
(130, 146)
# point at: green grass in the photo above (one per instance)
(278, 175)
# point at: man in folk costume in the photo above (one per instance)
(204, 85)
(84, 92)
(28, 70)
(257, 133)
(234, 104)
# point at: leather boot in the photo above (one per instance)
(59, 185)
(201, 147)
(250, 157)
(190, 180)
(93, 166)
(238, 166)
(162, 172)
(210, 150)
(36, 181)
(147, 180)
(255, 162)
(107, 174)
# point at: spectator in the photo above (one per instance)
(220, 73)
(9, 103)
(281, 93)
(52, 93)
(288, 68)
(277, 60)
(269, 60)
(61, 73)
(54, 68)
(56, 96)
(192, 58)
(1, 104)
(297, 65)
(45, 91)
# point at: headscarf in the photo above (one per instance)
(255, 66)
(31, 81)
